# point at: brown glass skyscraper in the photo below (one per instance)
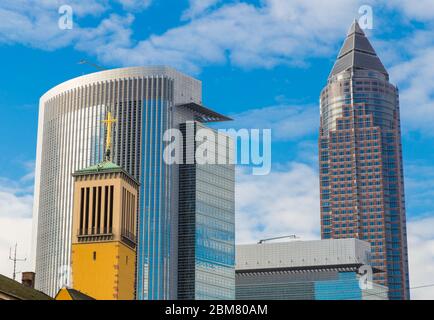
(360, 153)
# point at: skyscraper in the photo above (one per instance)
(146, 101)
(206, 256)
(360, 156)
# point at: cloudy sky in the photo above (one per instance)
(264, 62)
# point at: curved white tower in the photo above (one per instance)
(145, 102)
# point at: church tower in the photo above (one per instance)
(104, 230)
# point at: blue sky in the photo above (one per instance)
(263, 62)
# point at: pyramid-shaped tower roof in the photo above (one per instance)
(357, 52)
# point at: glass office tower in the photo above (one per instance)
(360, 155)
(206, 255)
(146, 101)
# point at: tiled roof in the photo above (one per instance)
(106, 166)
(19, 291)
(77, 295)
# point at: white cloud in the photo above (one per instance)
(282, 203)
(287, 122)
(198, 7)
(16, 201)
(416, 10)
(414, 77)
(15, 231)
(113, 33)
(135, 5)
(419, 187)
(421, 256)
(35, 7)
(246, 35)
(265, 35)
(35, 24)
(274, 32)
(15, 206)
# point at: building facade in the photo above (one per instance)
(103, 257)
(146, 101)
(360, 155)
(206, 255)
(306, 270)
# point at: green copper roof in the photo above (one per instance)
(106, 166)
(103, 167)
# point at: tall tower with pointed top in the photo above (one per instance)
(360, 155)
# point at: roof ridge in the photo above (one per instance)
(18, 290)
(357, 52)
(355, 28)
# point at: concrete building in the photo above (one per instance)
(306, 270)
(360, 156)
(146, 101)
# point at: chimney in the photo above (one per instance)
(28, 279)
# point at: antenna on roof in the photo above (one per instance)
(292, 236)
(83, 61)
(15, 259)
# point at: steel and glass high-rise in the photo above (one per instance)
(146, 101)
(360, 156)
(206, 228)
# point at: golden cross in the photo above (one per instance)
(109, 123)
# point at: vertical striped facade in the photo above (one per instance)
(206, 222)
(96, 211)
(71, 137)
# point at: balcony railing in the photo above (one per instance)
(95, 234)
(129, 238)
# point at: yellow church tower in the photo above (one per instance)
(104, 230)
